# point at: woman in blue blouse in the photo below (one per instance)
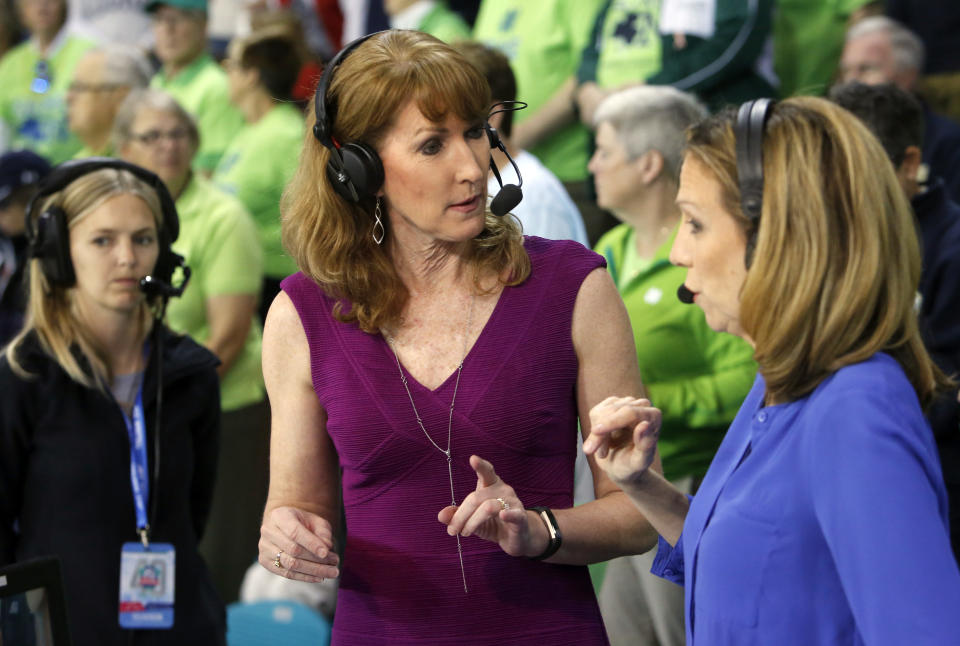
(822, 519)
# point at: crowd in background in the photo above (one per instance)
(212, 97)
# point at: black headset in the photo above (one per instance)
(355, 170)
(748, 133)
(49, 238)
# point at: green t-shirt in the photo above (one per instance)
(256, 168)
(219, 242)
(203, 91)
(695, 376)
(86, 151)
(445, 24)
(543, 41)
(38, 121)
(625, 46)
(808, 40)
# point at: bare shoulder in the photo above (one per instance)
(597, 301)
(603, 340)
(285, 349)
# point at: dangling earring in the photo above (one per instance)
(378, 230)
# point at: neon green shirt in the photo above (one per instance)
(219, 242)
(86, 151)
(543, 41)
(695, 376)
(625, 47)
(808, 40)
(38, 121)
(256, 168)
(202, 89)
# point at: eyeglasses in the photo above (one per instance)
(79, 86)
(41, 78)
(151, 137)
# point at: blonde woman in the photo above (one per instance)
(85, 472)
(822, 518)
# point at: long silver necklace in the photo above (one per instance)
(446, 452)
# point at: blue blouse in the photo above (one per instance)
(822, 521)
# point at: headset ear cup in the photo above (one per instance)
(339, 180)
(52, 248)
(364, 169)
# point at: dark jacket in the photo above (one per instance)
(941, 150)
(939, 220)
(65, 486)
(12, 297)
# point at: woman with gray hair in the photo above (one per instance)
(697, 378)
(220, 243)
(103, 78)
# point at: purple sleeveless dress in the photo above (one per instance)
(401, 581)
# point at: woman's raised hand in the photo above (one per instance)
(623, 436)
(494, 513)
(298, 544)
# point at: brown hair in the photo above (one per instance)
(837, 260)
(275, 57)
(329, 237)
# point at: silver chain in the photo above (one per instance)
(446, 452)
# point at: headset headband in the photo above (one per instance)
(751, 120)
(323, 128)
(65, 174)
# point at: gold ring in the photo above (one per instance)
(504, 505)
(276, 561)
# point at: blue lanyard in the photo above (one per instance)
(139, 481)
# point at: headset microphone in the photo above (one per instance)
(153, 286)
(685, 295)
(509, 195)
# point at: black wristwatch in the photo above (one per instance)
(553, 531)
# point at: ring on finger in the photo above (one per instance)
(504, 505)
(276, 561)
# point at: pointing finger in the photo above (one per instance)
(486, 476)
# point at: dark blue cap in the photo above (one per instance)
(20, 168)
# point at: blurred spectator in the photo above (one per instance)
(192, 77)
(624, 50)
(880, 50)
(20, 173)
(543, 42)
(263, 154)
(101, 81)
(721, 55)
(698, 378)
(34, 77)
(807, 42)
(429, 16)
(311, 63)
(896, 118)
(121, 22)
(219, 241)
(546, 210)
(937, 23)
